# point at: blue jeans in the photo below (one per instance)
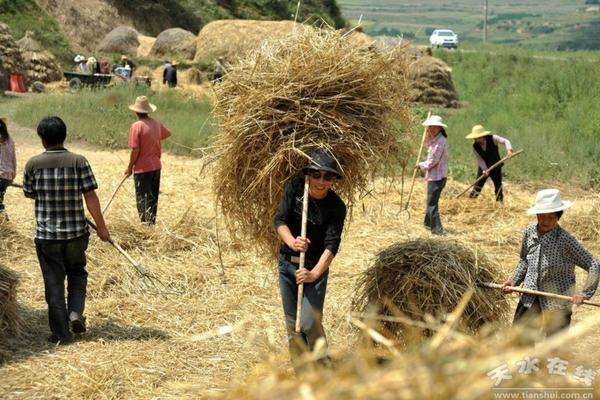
(432, 213)
(311, 324)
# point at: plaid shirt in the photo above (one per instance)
(57, 178)
(548, 264)
(436, 164)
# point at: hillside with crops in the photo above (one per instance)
(299, 213)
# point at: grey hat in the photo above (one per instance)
(322, 160)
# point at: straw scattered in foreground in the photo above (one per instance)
(9, 314)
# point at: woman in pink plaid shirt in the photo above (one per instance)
(436, 170)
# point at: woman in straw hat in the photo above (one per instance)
(326, 215)
(8, 161)
(549, 255)
(436, 170)
(145, 136)
(485, 148)
(82, 66)
(170, 74)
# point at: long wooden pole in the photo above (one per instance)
(534, 292)
(114, 194)
(489, 170)
(414, 177)
(302, 253)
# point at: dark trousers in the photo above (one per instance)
(496, 176)
(147, 185)
(551, 321)
(432, 212)
(3, 185)
(60, 259)
(311, 323)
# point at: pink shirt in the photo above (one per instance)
(436, 164)
(497, 139)
(8, 160)
(146, 135)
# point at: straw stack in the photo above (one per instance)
(10, 52)
(431, 82)
(9, 315)
(311, 90)
(39, 64)
(429, 277)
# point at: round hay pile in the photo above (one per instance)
(40, 65)
(431, 82)
(10, 52)
(175, 42)
(9, 315)
(194, 76)
(311, 90)
(428, 276)
(232, 39)
(122, 39)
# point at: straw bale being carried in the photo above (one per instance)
(428, 276)
(40, 65)
(431, 82)
(175, 42)
(310, 90)
(122, 39)
(9, 315)
(10, 52)
(232, 39)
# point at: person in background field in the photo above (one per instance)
(57, 179)
(485, 148)
(436, 170)
(170, 74)
(326, 215)
(145, 136)
(8, 161)
(82, 66)
(549, 255)
(126, 62)
(218, 70)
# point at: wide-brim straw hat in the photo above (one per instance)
(548, 201)
(142, 105)
(477, 132)
(79, 58)
(174, 63)
(92, 60)
(434, 120)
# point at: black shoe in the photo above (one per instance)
(60, 341)
(77, 322)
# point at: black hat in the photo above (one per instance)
(322, 160)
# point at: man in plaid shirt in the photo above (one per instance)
(57, 179)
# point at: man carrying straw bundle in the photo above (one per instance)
(326, 215)
(485, 148)
(549, 255)
(57, 179)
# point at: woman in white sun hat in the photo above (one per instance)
(549, 255)
(436, 170)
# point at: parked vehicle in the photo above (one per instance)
(444, 38)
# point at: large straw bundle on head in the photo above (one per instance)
(314, 89)
(430, 277)
(431, 82)
(9, 315)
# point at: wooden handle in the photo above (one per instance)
(534, 292)
(414, 177)
(489, 169)
(302, 254)
(114, 194)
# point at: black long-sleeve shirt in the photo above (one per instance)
(325, 221)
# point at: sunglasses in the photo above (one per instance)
(328, 176)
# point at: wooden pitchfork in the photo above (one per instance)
(414, 177)
(534, 292)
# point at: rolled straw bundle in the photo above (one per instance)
(430, 277)
(9, 315)
(312, 89)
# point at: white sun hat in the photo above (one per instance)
(434, 120)
(79, 58)
(548, 201)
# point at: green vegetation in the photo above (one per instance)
(101, 117)
(547, 105)
(549, 25)
(24, 15)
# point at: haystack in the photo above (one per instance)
(429, 277)
(10, 52)
(9, 316)
(175, 42)
(431, 82)
(232, 39)
(40, 65)
(194, 76)
(122, 39)
(310, 90)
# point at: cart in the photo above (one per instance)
(78, 80)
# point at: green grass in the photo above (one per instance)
(548, 106)
(101, 117)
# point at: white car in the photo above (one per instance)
(444, 38)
